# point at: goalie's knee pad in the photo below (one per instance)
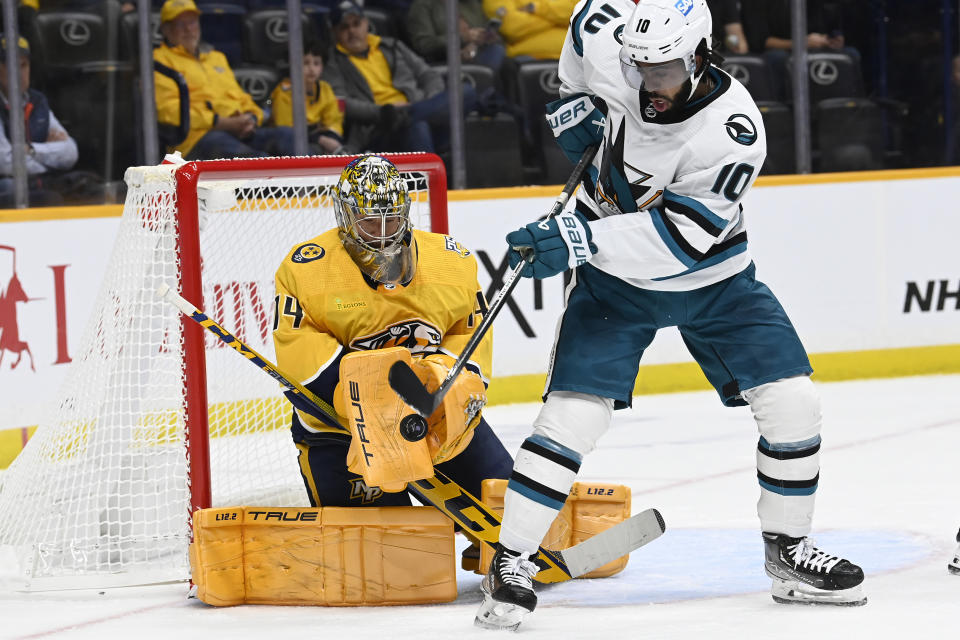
(574, 420)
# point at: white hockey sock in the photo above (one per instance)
(787, 412)
(567, 429)
(542, 476)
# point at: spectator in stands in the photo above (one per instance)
(224, 119)
(767, 24)
(728, 26)
(324, 117)
(532, 30)
(51, 152)
(480, 41)
(394, 100)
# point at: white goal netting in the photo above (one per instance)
(102, 493)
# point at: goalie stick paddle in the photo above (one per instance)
(402, 378)
(444, 494)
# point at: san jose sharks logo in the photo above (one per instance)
(741, 129)
(614, 187)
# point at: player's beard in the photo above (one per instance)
(675, 104)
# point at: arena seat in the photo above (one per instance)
(753, 73)
(265, 37)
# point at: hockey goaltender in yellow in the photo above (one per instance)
(350, 302)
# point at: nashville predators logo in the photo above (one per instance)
(452, 245)
(360, 491)
(415, 335)
(307, 253)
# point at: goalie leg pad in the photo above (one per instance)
(378, 451)
(591, 507)
(332, 556)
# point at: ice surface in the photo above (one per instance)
(888, 500)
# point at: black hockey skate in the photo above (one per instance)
(507, 591)
(804, 574)
(954, 565)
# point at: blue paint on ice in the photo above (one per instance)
(687, 564)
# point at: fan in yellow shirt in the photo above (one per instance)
(225, 122)
(324, 116)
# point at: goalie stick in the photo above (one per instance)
(446, 495)
(402, 378)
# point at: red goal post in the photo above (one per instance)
(188, 178)
(156, 418)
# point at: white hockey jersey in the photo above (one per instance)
(664, 192)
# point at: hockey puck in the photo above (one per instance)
(413, 427)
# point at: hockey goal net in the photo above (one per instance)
(157, 417)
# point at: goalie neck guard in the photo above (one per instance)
(372, 206)
(661, 40)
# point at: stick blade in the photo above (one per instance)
(405, 382)
(613, 543)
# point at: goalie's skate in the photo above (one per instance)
(507, 591)
(803, 574)
(954, 565)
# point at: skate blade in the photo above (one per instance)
(499, 616)
(785, 592)
(954, 567)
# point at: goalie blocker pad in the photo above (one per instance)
(332, 556)
(590, 508)
(373, 410)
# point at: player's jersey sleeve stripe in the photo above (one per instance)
(717, 254)
(575, 25)
(673, 239)
(696, 211)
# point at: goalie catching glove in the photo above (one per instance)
(378, 451)
(451, 425)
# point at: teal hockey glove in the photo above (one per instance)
(577, 122)
(552, 246)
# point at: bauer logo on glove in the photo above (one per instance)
(552, 246)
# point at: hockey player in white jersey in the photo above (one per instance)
(657, 238)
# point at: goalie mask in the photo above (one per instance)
(661, 40)
(373, 212)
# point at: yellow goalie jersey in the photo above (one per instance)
(326, 307)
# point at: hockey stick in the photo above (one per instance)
(402, 378)
(301, 397)
(446, 495)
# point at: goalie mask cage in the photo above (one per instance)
(158, 418)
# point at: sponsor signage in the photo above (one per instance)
(857, 265)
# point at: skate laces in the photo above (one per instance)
(517, 570)
(806, 554)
